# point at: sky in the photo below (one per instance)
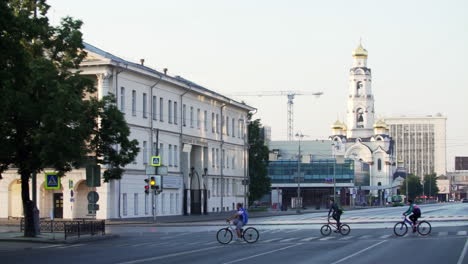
(418, 53)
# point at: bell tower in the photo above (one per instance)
(360, 111)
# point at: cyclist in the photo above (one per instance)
(241, 218)
(415, 212)
(336, 212)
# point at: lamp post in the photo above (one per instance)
(338, 159)
(299, 175)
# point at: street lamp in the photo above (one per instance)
(299, 175)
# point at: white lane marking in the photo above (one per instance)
(326, 238)
(276, 231)
(443, 233)
(270, 240)
(142, 244)
(462, 255)
(169, 255)
(346, 238)
(290, 231)
(365, 236)
(385, 236)
(52, 246)
(307, 239)
(287, 239)
(76, 245)
(210, 243)
(359, 252)
(264, 253)
(461, 233)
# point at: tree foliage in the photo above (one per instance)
(49, 114)
(260, 183)
(430, 185)
(414, 186)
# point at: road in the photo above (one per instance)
(286, 242)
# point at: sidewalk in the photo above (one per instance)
(53, 238)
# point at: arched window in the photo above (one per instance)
(359, 87)
(379, 164)
(360, 118)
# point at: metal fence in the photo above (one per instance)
(71, 228)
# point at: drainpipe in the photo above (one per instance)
(152, 119)
(222, 158)
(116, 74)
(184, 194)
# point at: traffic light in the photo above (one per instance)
(153, 184)
(147, 186)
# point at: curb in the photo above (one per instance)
(60, 241)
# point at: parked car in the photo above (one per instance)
(465, 200)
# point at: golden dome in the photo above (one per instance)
(338, 125)
(360, 51)
(380, 124)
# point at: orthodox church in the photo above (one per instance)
(362, 138)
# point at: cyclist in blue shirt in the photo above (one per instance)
(241, 218)
(414, 213)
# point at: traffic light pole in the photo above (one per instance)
(153, 192)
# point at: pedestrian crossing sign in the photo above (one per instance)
(156, 161)
(52, 181)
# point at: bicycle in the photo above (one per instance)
(224, 235)
(401, 228)
(327, 228)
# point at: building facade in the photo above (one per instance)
(420, 142)
(199, 134)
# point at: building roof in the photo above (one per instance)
(177, 79)
(360, 51)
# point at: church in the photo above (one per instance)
(364, 139)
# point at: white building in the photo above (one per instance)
(420, 142)
(200, 135)
(361, 138)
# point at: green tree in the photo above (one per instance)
(260, 183)
(430, 185)
(49, 114)
(414, 186)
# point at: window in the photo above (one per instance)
(239, 123)
(145, 114)
(172, 204)
(154, 107)
(124, 204)
(161, 109)
(155, 149)
(169, 111)
(146, 205)
(135, 203)
(176, 156)
(175, 113)
(227, 187)
(191, 116)
(227, 125)
(134, 103)
(233, 127)
(145, 153)
(359, 88)
(213, 157)
(213, 122)
(177, 203)
(170, 155)
(379, 164)
(184, 115)
(161, 153)
(205, 120)
(227, 160)
(198, 118)
(233, 161)
(217, 123)
(122, 99)
(360, 118)
(217, 158)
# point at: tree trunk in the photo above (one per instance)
(28, 206)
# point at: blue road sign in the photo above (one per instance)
(156, 161)
(52, 181)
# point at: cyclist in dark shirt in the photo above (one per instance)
(336, 212)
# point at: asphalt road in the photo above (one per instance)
(448, 243)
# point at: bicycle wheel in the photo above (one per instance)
(325, 230)
(424, 228)
(224, 236)
(345, 229)
(250, 235)
(400, 229)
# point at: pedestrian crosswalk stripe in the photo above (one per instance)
(326, 238)
(271, 240)
(52, 246)
(210, 243)
(385, 236)
(346, 238)
(287, 240)
(276, 231)
(307, 239)
(365, 237)
(76, 245)
(443, 233)
(293, 230)
(461, 233)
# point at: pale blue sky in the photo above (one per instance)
(418, 52)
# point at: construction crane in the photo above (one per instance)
(290, 95)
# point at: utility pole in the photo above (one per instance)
(299, 174)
